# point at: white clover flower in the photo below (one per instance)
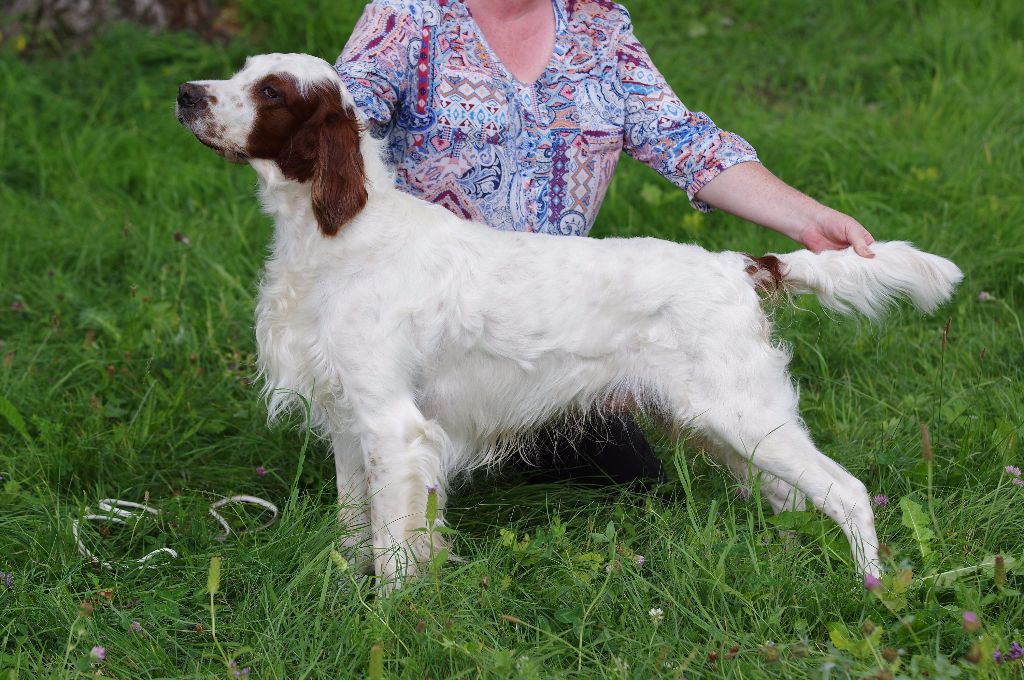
(657, 615)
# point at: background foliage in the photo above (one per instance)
(127, 278)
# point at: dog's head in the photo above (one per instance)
(290, 109)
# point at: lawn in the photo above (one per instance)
(127, 277)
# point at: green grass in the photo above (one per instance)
(124, 361)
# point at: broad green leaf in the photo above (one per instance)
(11, 415)
(915, 520)
(795, 520)
(439, 558)
(860, 647)
(893, 593)
(508, 537)
(986, 566)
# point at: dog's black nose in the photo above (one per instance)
(191, 95)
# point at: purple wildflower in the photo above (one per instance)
(237, 672)
(7, 579)
(871, 582)
(1017, 481)
(881, 500)
(1016, 652)
(971, 622)
(135, 626)
(997, 656)
(261, 471)
(984, 296)
(1012, 470)
(99, 653)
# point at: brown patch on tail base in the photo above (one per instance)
(766, 272)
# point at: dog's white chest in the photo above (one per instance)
(287, 326)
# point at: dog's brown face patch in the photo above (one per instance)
(312, 138)
(281, 113)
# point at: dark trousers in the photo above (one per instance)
(608, 450)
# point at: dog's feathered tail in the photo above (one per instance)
(847, 282)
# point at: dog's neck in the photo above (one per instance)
(289, 203)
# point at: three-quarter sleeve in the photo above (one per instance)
(685, 146)
(374, 65)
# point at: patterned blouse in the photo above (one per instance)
(463, 133)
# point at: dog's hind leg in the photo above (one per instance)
(751, 410)
(781, 495)
(784, 450)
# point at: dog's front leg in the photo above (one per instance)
(403, 463)
(353, 501)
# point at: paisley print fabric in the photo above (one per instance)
(463, 133)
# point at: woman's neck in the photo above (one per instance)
(507, 10)
(521, 33)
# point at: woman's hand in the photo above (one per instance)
(750, 191)
(833, 230)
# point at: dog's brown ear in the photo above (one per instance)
(339, 177)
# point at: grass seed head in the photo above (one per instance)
(926, 444)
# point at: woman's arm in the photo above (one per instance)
(374, 64)
(717, 168)
(752, 192)
(684, 146)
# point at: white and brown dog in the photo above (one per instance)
(425, 343)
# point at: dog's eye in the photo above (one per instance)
(270, 93)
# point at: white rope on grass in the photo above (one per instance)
(119, 512)
(241, 500)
